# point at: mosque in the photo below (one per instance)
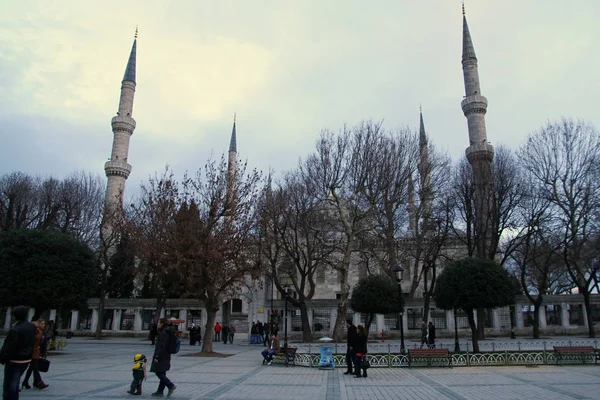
(563, 314)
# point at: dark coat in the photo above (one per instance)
(361, 344)
(431, 333)
(19, 343)
(161, 362)
(352, 339)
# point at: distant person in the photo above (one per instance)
(153, 332)
(261, 332)
(139, 374)
(225, 334)
(231, 333)
(350, 347)
(16, 352)
(194, 335)
(161, 361)
(217, 332)
(423, 334)
(273, 348)
(431, 335)
(361, 351)
(38, 383)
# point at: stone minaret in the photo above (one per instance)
(479, 153)
(117, 169)
(232, 166)
(426, 195)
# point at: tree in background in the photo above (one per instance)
(45, 269)
(471, 284)
(562, 159)
(375, 294)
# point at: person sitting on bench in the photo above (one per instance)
(269, 352)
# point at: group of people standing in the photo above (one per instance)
(428, 334)
(225, 333)
(356, 351)
(259, 333)
(24, 345)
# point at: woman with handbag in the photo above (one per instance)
(38, 383)
(360, 360)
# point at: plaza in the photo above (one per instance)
(101, 370)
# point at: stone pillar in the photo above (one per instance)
(183, 314)
(7, 321)
(116, 322)
(519, 316)
(94, 323)
(543, 322)
(450, 321)
(564, 316)
(74, 320)
(332, 320)
(309, 311)
(496, 321)
(51, 317)
(356, 319)
(380, 323)
(137, 322)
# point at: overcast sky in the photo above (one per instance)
(287, 68)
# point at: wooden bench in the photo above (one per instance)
(429, 355)
(571, 353)
(286, 356)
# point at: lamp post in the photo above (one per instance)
(285, 342)
(398, 270)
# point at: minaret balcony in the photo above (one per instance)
(123, 123)
(117, 168)
(474, 104)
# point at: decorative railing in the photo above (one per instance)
(496, 354)
(465, 345)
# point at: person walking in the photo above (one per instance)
(225, 334)
(431, 336)
(161, 361)
(423, 334)
(217, 332)
(16, 352)
(351, 344)
(38, 383)
(361, 351)
(231, 333)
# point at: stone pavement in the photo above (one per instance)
(101, 370)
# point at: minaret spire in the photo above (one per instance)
(424, 167)
(116, 168)
(232, 166)
(479, 153)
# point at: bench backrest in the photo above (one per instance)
(574, 349)
(289, 350)
(418, 352)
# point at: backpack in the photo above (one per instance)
(174, 344)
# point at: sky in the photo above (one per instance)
(287, 68)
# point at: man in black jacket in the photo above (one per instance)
(16, 352)
(350, 350)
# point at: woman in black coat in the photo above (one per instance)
(161, 362)
(360, 351)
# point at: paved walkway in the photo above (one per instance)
(101, 370)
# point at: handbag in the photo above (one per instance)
(364, 362)
(43, 365)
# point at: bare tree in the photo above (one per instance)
(17, 201)
(563, 157)
(336, 174)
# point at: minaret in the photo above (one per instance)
(117, 169)
(479, 153)
(232, 165)
(424, 175)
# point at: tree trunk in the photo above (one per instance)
(338, 330)
(536, 320)
(481, 323)
(306, 328)
(426, 305)
(209, 329)
(474, 336)
(101, 299)
(588, 313)
(369, 322)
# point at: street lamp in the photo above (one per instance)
(285, 342)
(398, 270)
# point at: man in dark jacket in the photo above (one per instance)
(16, 352)
(161, 362)
(351, 345)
